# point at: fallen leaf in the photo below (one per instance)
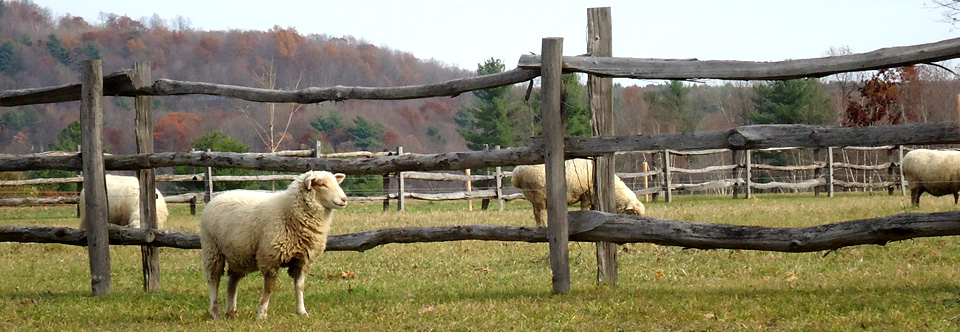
(428, 309)
(659, 275)
(347, 275)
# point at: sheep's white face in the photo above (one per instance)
(326, 188)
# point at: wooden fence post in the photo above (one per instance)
(747, 191)
(734, 172)
(148, 186)
(668, 195)
(485, 202)
(903, 189)
(817, 172)
(499, 183)
(890, 173)
(400, 200)
(646, 181)
(829, 171)
(558, 230)
(94, 185)
(80, 184)
(600, 92)
(469, 189)
(386, 190)
(208, 183)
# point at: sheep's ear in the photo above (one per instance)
(308, 182)
(340, 177)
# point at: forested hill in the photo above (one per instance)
(39, 50)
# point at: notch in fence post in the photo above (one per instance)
(400, 198)
(558, 230)
(94, 185)
(150, 255)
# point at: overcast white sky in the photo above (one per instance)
(465, 33)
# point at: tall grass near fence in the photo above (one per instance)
(478, 285)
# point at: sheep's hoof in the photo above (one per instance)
(304, 314)
(232, 314)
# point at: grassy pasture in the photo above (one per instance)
(479, 285)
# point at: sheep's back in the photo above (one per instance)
(937, 172)
(235, 221)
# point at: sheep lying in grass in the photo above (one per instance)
(123, 203)
(932, 171)
(531, 180)
(255, 231)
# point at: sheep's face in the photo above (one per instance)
(326, 189)
(634, 208)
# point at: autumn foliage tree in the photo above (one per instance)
(176, 132)
(880, 100)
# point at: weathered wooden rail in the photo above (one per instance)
(585, 226)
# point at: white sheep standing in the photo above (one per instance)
(531, 180)
(259, 231)
(123, 203)
(932, 171)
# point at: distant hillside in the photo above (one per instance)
(38, 50)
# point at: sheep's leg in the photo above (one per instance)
(956, 197)
(915, 196)
(233, 279)
(299, 275)
(269, 280)
(214, 268)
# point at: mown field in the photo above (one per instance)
(476, 285)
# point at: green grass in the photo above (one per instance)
(487, 285)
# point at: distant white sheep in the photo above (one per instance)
(531, 180)
(256, 231)
(932, 171)
(123, 203)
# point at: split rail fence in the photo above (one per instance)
(607, 228)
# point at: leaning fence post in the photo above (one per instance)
(94, 185)
(400, 200)
(148, 186)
